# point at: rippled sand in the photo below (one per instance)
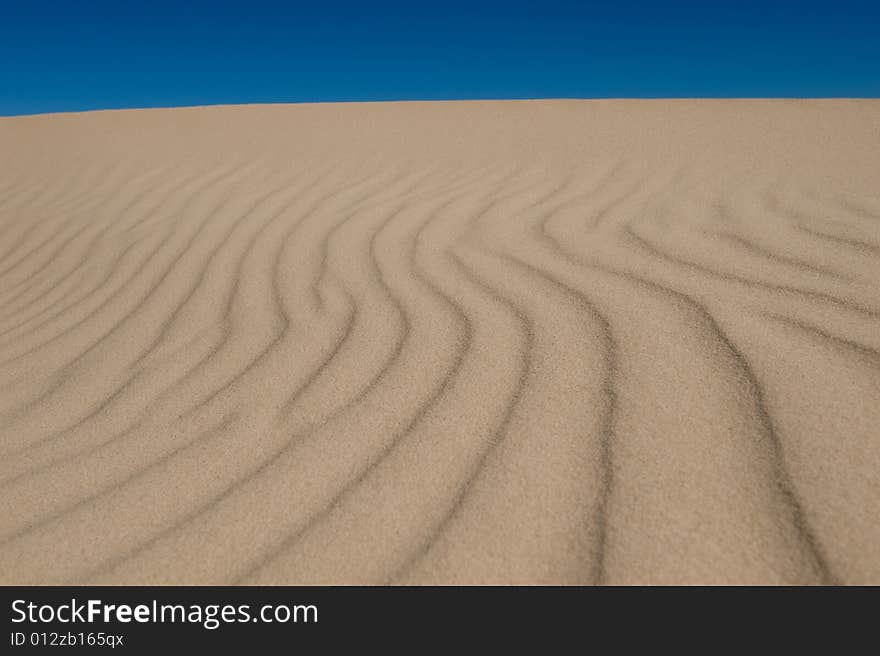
(469, 342)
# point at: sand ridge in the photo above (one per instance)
(458, 342)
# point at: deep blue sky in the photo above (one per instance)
(74, 55)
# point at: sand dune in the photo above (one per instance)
(481, 342)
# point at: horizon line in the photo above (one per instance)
(124, 108)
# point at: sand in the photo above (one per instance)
(459, 342)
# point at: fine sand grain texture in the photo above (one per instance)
(459, 342)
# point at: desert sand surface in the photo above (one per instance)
(564, 342)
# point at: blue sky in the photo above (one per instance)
(75, 55)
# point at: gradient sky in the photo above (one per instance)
(75, 55)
